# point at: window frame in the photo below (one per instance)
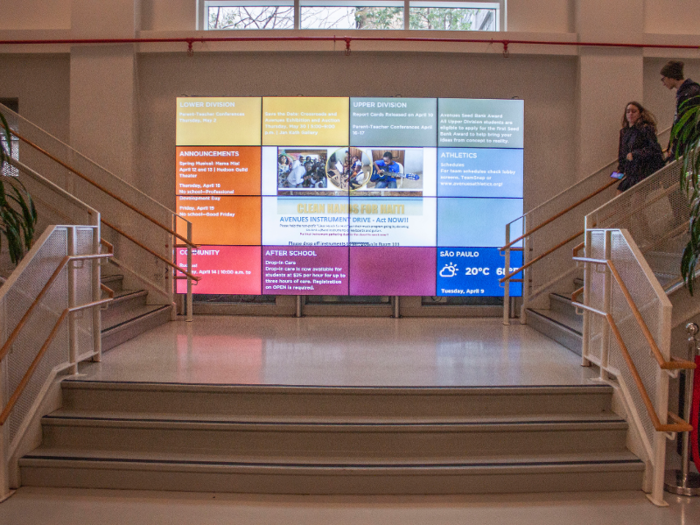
(203, 5)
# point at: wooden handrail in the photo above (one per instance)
(6, 347)
(578, 248)
(681, 425)
(678, 426)
(533, 261)
(169, 263)
(563, 212)
(674, 364)
(109, 245)
(107, 290)
(576, 294)
(37, 359)
(102, 188)
(30, 371)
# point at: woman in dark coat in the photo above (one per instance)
(640, 154)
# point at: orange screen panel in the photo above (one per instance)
(218, 171)
(221, 220)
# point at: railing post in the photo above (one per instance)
(525, 274)
(586, 300)
(506, 284)
(190, 314)
(96, 290)
(72, 291)
(607, 300)
(684, 482)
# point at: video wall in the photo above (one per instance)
(349, 196)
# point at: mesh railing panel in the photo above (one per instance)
(111, 210)
(16, 299)
(15, 303)
(655, 212)
(651, 305)
(556, 265)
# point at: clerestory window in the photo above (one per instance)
(381, 15)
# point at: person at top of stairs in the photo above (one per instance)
(639, 153)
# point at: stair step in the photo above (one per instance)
(271, 401)
(126, 305)
(563, 304)
(113, 282)
(130, 323)
(356, 441)
(311, 420)
(487, 475)
(556, 326)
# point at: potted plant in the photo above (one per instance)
(18, 215)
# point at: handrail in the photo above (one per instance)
(533, 261)
(141, 245)
(32, 367)
(563, 212)
(675, 364)
(101, 188)
(108, 245)
(106, 289)
(68, 258)
(593, 174)
(681, 425)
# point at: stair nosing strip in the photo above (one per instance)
(441, 390)
(629, 461)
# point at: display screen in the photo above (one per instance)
(349, 196)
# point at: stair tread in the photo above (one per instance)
(572, 323)
(84, 416)
(119, 318)
(49, 454)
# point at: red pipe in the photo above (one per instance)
(347, 39)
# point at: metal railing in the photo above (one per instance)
(143, 232)
(44, 329)
(655, 212)
(627, 334)
(546, 235)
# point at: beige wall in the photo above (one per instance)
(41, 83)
(35, 14)
(672, 17)
(117, 103)
(541, 16)
(546, 84)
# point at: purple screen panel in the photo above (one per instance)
(305, 270)
(392, 271)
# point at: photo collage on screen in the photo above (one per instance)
(349, 196)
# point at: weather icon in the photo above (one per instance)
(450, 270)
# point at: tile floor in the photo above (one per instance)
(342, 352)
(92, 507)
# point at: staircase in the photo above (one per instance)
(129, 315)
(333, 440)
(560, 322)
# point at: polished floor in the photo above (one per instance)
(342, 352)
(92, 507)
